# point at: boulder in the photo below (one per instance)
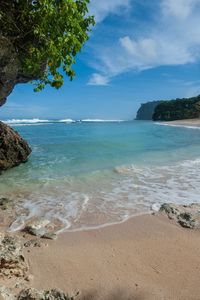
(43, 228)
(188, 216)
(13, 149)
(12, 262)
(37, 227)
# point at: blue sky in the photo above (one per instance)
(140, 50)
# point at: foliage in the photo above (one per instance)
(47, 35)
(177, 109)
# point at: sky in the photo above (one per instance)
(139, 51)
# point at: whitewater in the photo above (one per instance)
(91, 173)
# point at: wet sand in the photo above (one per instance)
(146, 258)
(187, 122)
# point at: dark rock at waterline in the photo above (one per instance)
(13, 149)
(43, 228)
(38, 227)
(188, 216)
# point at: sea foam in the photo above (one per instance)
(131, 191)
(25, 121)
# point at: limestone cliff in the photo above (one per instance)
(11, 72)
(146, 110)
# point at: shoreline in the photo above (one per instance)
(185, 122)
(147, 257)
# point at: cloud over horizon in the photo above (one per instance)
(101, 9)
(172, 38)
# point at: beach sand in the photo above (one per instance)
(187, 122)
(147, 257)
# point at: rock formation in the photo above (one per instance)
(10, 69)
(34, 294)
(146, 110)
(12, 261)
(13, 149)
(185, 215)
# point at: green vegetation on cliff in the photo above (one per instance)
(45, 36)
(186, 108)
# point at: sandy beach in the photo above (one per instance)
(187, 122)
(147, 257)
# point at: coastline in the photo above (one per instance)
(146, 257)
(185, 122)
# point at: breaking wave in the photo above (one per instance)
(110, 198)
(25, 121)
(36, 121)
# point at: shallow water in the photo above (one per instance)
(88, 174)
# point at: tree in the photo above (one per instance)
(39, 40)
(186, 108)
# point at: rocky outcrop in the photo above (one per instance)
(12, 261)
(11, 72)
(13, 149)
(188, 216)
(146, 110)
(43, 228)
(34, 294)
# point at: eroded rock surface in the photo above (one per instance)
(187, 216)
(43, 228)
(33, 294)
(12, 262)
(13, 149)
(5, 294)
(11, 71)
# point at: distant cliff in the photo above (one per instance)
(186, 108)
(146, 110)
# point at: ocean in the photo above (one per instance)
(91, 173)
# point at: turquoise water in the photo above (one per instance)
(88, 174)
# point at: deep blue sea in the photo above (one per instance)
(89, 174)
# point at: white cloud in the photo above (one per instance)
(173, 40)
(179, 8)
(98, 79)
(102, 8)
